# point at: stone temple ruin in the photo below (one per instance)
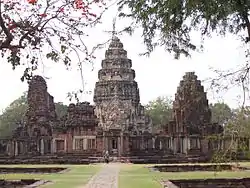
(117, 122)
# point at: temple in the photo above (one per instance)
(117, 121)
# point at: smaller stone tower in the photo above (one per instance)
(191, 108)
(35, 135)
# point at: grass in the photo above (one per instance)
(78, 175)
(132, 176)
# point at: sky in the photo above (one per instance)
(157, 75)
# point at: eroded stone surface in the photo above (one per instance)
(106, 178)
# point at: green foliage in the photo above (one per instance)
(239, 124)
(160, 110)
(12, 116)
(170, 23)
(55, 29)
(236, 134)
(221, 113)
(61, 109)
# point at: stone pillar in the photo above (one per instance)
(38, 145)
(198, 143)
(160, 144)
(104, 141)
(150, 143)
(188, 143)
(65, 145)
(170, 143)
(53, 146)
(121, 148)
(74, 143)
(174, 142)
(12, 149)
(85, 144)
(181, 144)
(8, 148)
(153, 144)
(42, 147)
(16, 148)
(141, 143)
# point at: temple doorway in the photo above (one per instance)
(113, 146)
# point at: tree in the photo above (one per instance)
(170, 23)
(237, 130)
(61, 109)
(239, 124)
(160, 110)
(33, 29)
(221, 113)
(12, 116)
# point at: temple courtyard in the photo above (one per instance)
(123, 175)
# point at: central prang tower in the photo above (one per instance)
(116, 94)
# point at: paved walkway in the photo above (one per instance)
(106, 178)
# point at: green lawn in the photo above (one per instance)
(132, 176)
(77, 175)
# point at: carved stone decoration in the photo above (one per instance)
(114, 114)
(116, 94)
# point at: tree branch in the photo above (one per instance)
(9, 36)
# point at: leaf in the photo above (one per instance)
(63, 48)
(54, 56)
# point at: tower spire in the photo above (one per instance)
(114, 32)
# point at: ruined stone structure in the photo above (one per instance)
(35, 134)
(117, 122)
(191, 118)
(76, 131)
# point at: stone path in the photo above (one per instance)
(106, 178)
